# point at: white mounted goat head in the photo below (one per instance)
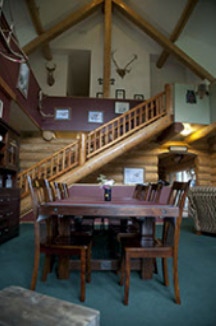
(122, 71)
(50, 73)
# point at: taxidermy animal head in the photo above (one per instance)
(122, 71)
(50, 73)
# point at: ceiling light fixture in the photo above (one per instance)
(178, 149)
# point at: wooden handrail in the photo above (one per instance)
(96, 141)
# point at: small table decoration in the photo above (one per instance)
(106, 184)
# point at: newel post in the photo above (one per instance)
(169, 98)
(83, 147)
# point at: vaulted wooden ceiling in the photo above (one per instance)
(106, 7)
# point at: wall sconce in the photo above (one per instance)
(187, 129)
(50, 67)
(178, 149)
(100, 81)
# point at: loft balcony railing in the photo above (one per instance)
(92, 143)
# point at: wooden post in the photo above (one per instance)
(169, 98)
(83, 144)
(107, 47)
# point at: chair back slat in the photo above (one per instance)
(154, 192)
(178, 193)
(141, 191)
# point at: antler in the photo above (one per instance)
(134, 58)
(122, 71)
(113, 59)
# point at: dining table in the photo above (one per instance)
(122, 207)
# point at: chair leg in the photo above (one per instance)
(176, 283)
(122, 271)
(82, 274)
(165, 271)
(47, 267)
(88, 258)
(35, 271)
(127, 278)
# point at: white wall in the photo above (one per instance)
(198, 112)
(197, 40)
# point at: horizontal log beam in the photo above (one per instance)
(201, 133)
(170, 132)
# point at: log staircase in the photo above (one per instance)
(98, 147)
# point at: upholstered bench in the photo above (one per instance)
(202, 208)
(19, 306)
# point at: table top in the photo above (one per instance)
(97, 206)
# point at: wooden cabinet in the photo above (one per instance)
(9, 213)
(9, 193)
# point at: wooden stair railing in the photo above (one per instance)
(93, 143)
(51, 167)
(128, 123)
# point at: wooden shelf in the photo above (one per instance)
(9, 197)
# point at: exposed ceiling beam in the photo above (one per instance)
(107, 46)
(64, 25)
(163, 41)
(170, 132)
(7, 90)
(178, 29)
(201, 133)
(35, 17)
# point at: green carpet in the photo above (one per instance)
(150, 303)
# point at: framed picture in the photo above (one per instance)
(62, 114)
(120, 93)
(95, 116)
(139, 97)
(23, 79)
(121, 107)
(133, 175)
(1, 108)
(99, 95)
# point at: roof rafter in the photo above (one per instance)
(163, 41)
(35, 17)
(64, 25)
(178, 29)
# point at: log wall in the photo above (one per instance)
(145, 157)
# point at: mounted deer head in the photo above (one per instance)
(122, 71)
(50, 73)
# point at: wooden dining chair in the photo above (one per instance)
(78, 223)
(53, 239)
(141, 191)
(146, 192)
(165, 247)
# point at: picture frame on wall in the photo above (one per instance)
(99, 95)
(95, 116)
(62, 114)
(23, 79)
(120, 94)
(133, 175)
(139, 97)
(121, 107)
